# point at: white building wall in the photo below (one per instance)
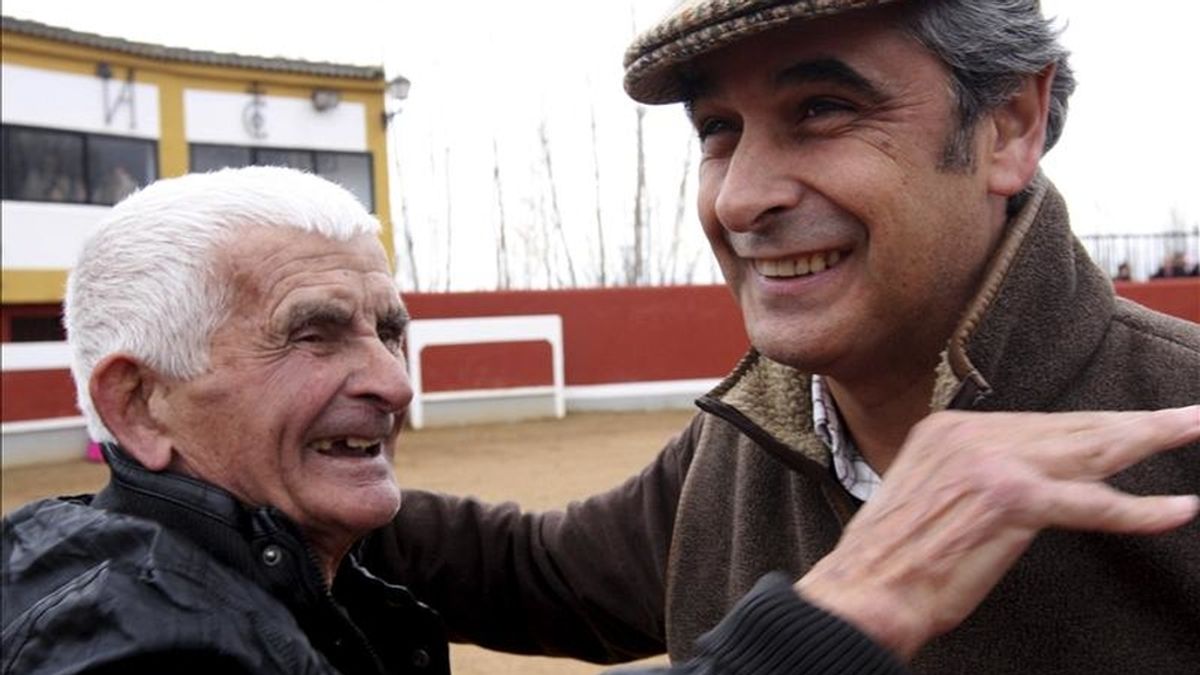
(220, 118)
(47, 98)
(37, 235)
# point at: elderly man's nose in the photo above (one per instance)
(382, 377)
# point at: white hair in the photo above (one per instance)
(147, 284)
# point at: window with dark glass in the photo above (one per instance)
(351, 170)
(43, 166)
(206, 158)
(296, 159)
(50, 165)
(117, 167)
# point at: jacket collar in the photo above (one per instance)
(261, 543)
(384, 621)
(1042, 304)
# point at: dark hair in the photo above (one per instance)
(989, 46)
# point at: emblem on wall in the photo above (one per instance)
(253, 119)
(124, 98)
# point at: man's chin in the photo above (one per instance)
(794, 348)
(362, 510)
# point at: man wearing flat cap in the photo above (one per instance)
(870, 187)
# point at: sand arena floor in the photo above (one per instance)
(541, 465)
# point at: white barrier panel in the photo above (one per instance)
(424, 333)
(35, 356)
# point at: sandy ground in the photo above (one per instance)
(542, 464)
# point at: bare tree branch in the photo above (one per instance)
(405, 225)
(449, 218)
(639, 203)
(603, 279)
(502, 248)
(680, 209)
(556, 215)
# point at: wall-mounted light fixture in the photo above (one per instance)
(325, 99)
(396, 92)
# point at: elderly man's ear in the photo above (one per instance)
(1019, 134)
(128, 397)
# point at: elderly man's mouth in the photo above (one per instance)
(348, 446)
(799, 266)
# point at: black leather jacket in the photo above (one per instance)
(162, 573)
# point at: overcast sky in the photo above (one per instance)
(486, 76)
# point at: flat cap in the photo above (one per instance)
(656, 59)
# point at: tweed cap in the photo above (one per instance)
(694, 27)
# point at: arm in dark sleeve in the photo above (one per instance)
(773, 631)
(587, 582)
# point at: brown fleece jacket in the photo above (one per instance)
(747, 489)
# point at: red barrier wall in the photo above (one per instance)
(36, 394)
(1178, 297)
(641, 334)
(610, 335)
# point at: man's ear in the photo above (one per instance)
(122, 391)
(1020, 134)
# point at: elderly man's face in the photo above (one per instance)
(849, 248)
(307, 388)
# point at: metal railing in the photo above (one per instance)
(1144, 253)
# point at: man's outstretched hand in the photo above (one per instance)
(965, 497)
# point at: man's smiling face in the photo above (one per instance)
(849, 246)
(307, 386)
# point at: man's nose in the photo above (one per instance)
(382, 377)
(759, 180)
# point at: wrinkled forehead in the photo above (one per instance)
(265, 267)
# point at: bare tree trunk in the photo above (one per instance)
(556, 215)
(449, 217)
(502, 249)
(639, 203)
(603, 278)
(680, 208)
(405, 226)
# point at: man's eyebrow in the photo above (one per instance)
(316, 313)
(833, 71)
(828, 70)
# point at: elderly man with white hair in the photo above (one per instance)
(236, 347)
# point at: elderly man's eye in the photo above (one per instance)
(391, 338)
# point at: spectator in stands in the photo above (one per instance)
(117, 184)
(1175, 265)
(1124, 272)
(49, 181)
(870, 186)
(236, 345)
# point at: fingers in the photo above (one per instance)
(1098, 507)
(1110, 442)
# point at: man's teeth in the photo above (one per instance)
(354, 443)
(798, 267)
